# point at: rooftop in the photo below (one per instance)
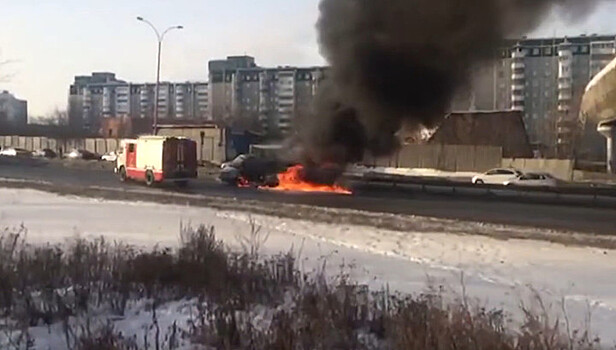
(580, 39)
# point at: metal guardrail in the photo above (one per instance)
(566, 194)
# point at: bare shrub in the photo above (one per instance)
(104, 338)
(252, 243)
(64, 284)
(346, 316)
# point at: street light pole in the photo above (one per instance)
(159, 38)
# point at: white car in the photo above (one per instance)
(534, 180)
(497, 176)
(82, 154)
(14, 152)
(110, 157)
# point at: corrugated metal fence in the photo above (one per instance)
(442, 157)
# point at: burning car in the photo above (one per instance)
(251, 171)
(247, 170)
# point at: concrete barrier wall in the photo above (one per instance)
(90, 145)
(560, 168)
(442, 157)
(96, 145)
(112, 145)
(211, 150)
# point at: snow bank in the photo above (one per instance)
(414, 172)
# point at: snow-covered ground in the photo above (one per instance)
(498, 272)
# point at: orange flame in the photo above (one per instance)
(291, 180)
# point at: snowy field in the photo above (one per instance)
(498, 273)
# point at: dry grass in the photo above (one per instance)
(45, 285)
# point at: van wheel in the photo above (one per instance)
(122, 173)
(181, 184)
(149, 178)
(479, 182)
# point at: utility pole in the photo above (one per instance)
(159, 38)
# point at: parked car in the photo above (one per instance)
(110, 156)
(82, 154)
(497, 176)
(534, 180)
(44, 153)
(14, 152)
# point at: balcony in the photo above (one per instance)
(518, 76)
(518, 64)
(564, 84)
(564, 96)
(285, 110)
(517, 87)
(565, 75)
(517, 98)
(602, 51)
(518, 55)
(516, 107)
(564, 130)
(563, 141)
(565, 55)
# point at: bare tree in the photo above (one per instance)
(57, 117)
(5, 75)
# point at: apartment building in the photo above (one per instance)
(13, 112)
(544, 79)
(244, 95)
(101, 95)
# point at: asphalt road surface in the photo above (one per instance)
(483, 209)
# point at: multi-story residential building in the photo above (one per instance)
(247, 96)
(99, 96)
(544, 78)
(13, 112)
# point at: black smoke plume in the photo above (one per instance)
(396, 62)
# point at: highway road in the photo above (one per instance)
(496, 210)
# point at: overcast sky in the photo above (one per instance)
(51, 41)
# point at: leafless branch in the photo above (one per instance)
(4, 76)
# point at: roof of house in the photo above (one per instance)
(503, 129)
